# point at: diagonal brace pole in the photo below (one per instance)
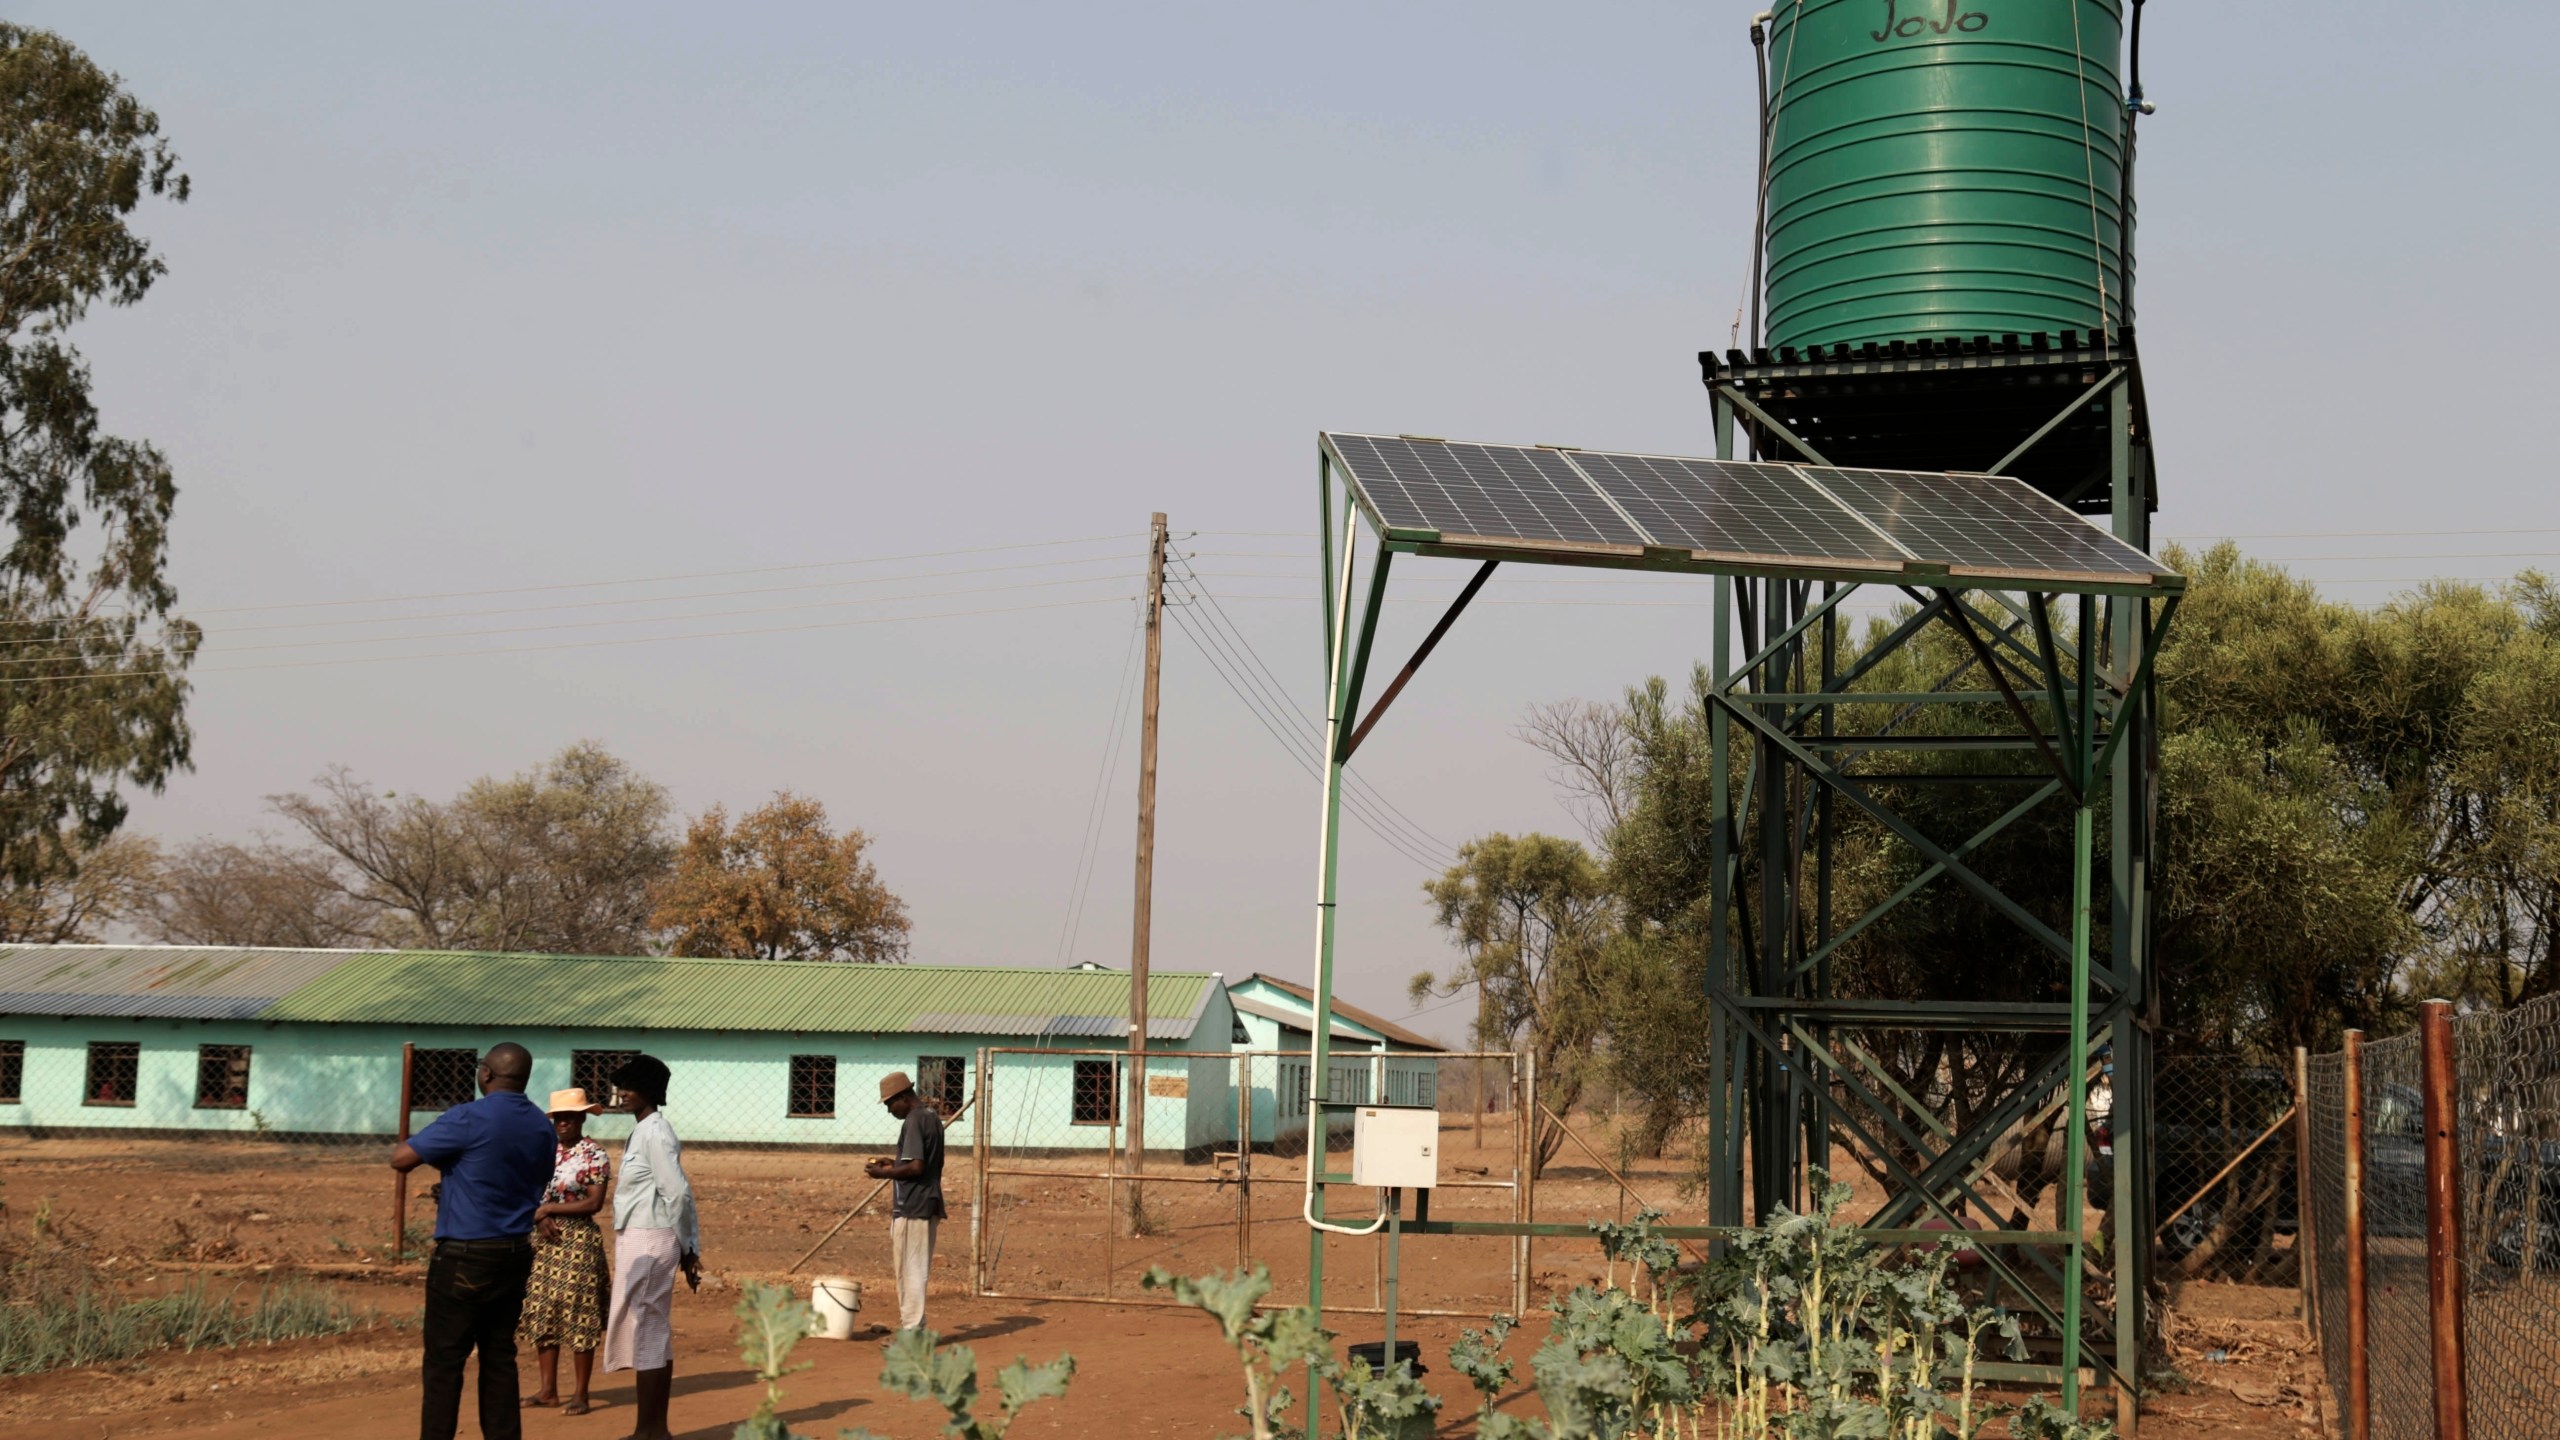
(2061, 417)
(2017, 707)
(1769, 422)
(1913, 886)
(1848, 785)
(1770, 651)
(1431, 641)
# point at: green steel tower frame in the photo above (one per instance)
(2064, 670)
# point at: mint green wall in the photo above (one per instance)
(345, 1079)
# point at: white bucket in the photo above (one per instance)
(836, 1299)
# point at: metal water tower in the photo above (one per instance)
(1946, 404)
(1944, 272)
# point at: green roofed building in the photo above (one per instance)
(309, 1042)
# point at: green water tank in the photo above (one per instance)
(1944, 168)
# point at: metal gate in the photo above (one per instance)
(1062, 1213)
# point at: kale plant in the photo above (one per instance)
(772, 1321)
(1268, 1343)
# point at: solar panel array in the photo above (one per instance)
(1512, 491)
(1747, 511)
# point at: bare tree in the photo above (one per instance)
(405, 860)
(1596, 765)
(220, 892)
(67, 903)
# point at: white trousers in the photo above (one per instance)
(910, 1260)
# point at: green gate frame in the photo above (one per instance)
(1775, 1005)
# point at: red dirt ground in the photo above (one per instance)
(1140, 1372)
(153, 1210)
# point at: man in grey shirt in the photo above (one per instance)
(916, 1210)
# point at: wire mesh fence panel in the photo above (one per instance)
(2328, 1101)
(2395, 1211)
(2222, 1169)
(204, 1153)
(1067, 1214)
(2508, 1089)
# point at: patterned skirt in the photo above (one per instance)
(564, 1302)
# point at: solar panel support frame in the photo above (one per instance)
(1774, 1010)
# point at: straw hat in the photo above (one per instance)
(894, 1084)
(565, 1101)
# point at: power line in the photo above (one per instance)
(1278, 731)
(1194, 583)
(570, 644)
(664, 578)
(1304, 747)
(661, 619)
(2367, 534)
(1080, 890)
(660, 599)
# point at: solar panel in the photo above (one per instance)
(1505, 492)
(1983, 523)
(1885, 523)
(1731, 507)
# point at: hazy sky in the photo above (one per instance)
(478, 300)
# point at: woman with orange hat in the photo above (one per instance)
(564, 1302)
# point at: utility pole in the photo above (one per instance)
(1142, 921)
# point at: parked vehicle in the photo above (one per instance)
(2521, 1174)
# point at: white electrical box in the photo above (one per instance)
(1395, 1147)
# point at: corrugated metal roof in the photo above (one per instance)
(412, 987)
(176, 982)
(1344, 1027)
(1091, 1027)
(1344, 1010)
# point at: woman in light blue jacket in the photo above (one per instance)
(656, 1237)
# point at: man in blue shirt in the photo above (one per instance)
(496, 1154)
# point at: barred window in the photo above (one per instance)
(1097, 1097)
(222, 1077)
(943, 1082)
(13, 1069)
(115, 1071)
(592, 1071)
(442, 1079)
(1293, 1087)
(813, 1087)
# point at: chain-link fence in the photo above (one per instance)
(775, 1151)
(2508, 1083)
(2505, 1095)
(2223, 1170)
(2327, 1102)
(1072, 1208)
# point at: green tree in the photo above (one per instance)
(1532, 917)
(780, 885)
(91, 655)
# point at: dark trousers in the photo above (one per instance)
(475, 1295)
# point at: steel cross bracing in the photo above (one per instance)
(2058, 679)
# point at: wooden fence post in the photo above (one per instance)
(2444, 1214)
(400, 1178)
(2359, 1374)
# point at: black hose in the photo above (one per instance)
(1760, 206)
(2124, 184)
